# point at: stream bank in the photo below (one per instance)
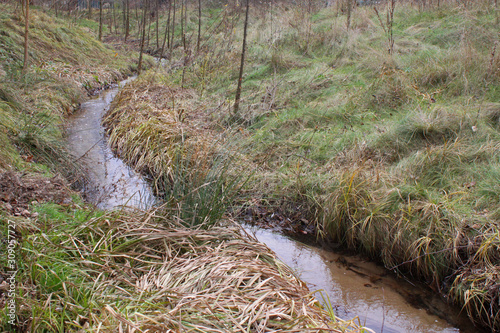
(357, 288)
(259, 293)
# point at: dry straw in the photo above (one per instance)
(146, 273)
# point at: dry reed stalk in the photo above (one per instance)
(148, 273)
(149, 123)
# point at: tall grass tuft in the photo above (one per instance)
(162, 131)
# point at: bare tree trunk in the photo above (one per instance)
(496, 11)
(240, 77)
(157, 24)
(182, 25)
(139, 67)
(89, 14)
(173, 31)
(167, 29)
(26, 31)
(199, 27)
(149, 32)
(349, 13)
(138, 19)
(165, 37)
(185, 46)
(127, 19)
(390, 24)
(113, 12)
(100, 20)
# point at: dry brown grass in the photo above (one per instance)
(144, 272)
(149, 122)
(477, 282)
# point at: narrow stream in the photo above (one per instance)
(354, 287)
(111, 182)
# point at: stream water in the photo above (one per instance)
(353, 286)
(356, 287)
(111, 183)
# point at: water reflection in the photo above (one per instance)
(111, 182)
(360, 288)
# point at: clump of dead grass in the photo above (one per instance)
(164, 131)
(477, 282)
(145, 272)
(148, 122)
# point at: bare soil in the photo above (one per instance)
(19, 190)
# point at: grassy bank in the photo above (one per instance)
(392, 147)
(70, 267)
(87, 270)
(65, 65)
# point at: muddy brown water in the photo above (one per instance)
(356, 287)
(353, 286)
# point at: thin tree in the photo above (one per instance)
(390, 25)
(167, 32)
(173, 30)
(496, 11)
(149, 30)
(113, 18)
(26, 31)
(199, 27)
(349, 13)
(167, 28)
(138, 20)
(126, 18)
(182, 24)
(240, 77)
(89, 13)
(100, 20)
(157, 24)
(143, 37)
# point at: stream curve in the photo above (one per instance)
(111, 183)
(381, 303)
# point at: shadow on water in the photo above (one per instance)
(111, 183)
(356, 287)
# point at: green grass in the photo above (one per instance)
(398, 154)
